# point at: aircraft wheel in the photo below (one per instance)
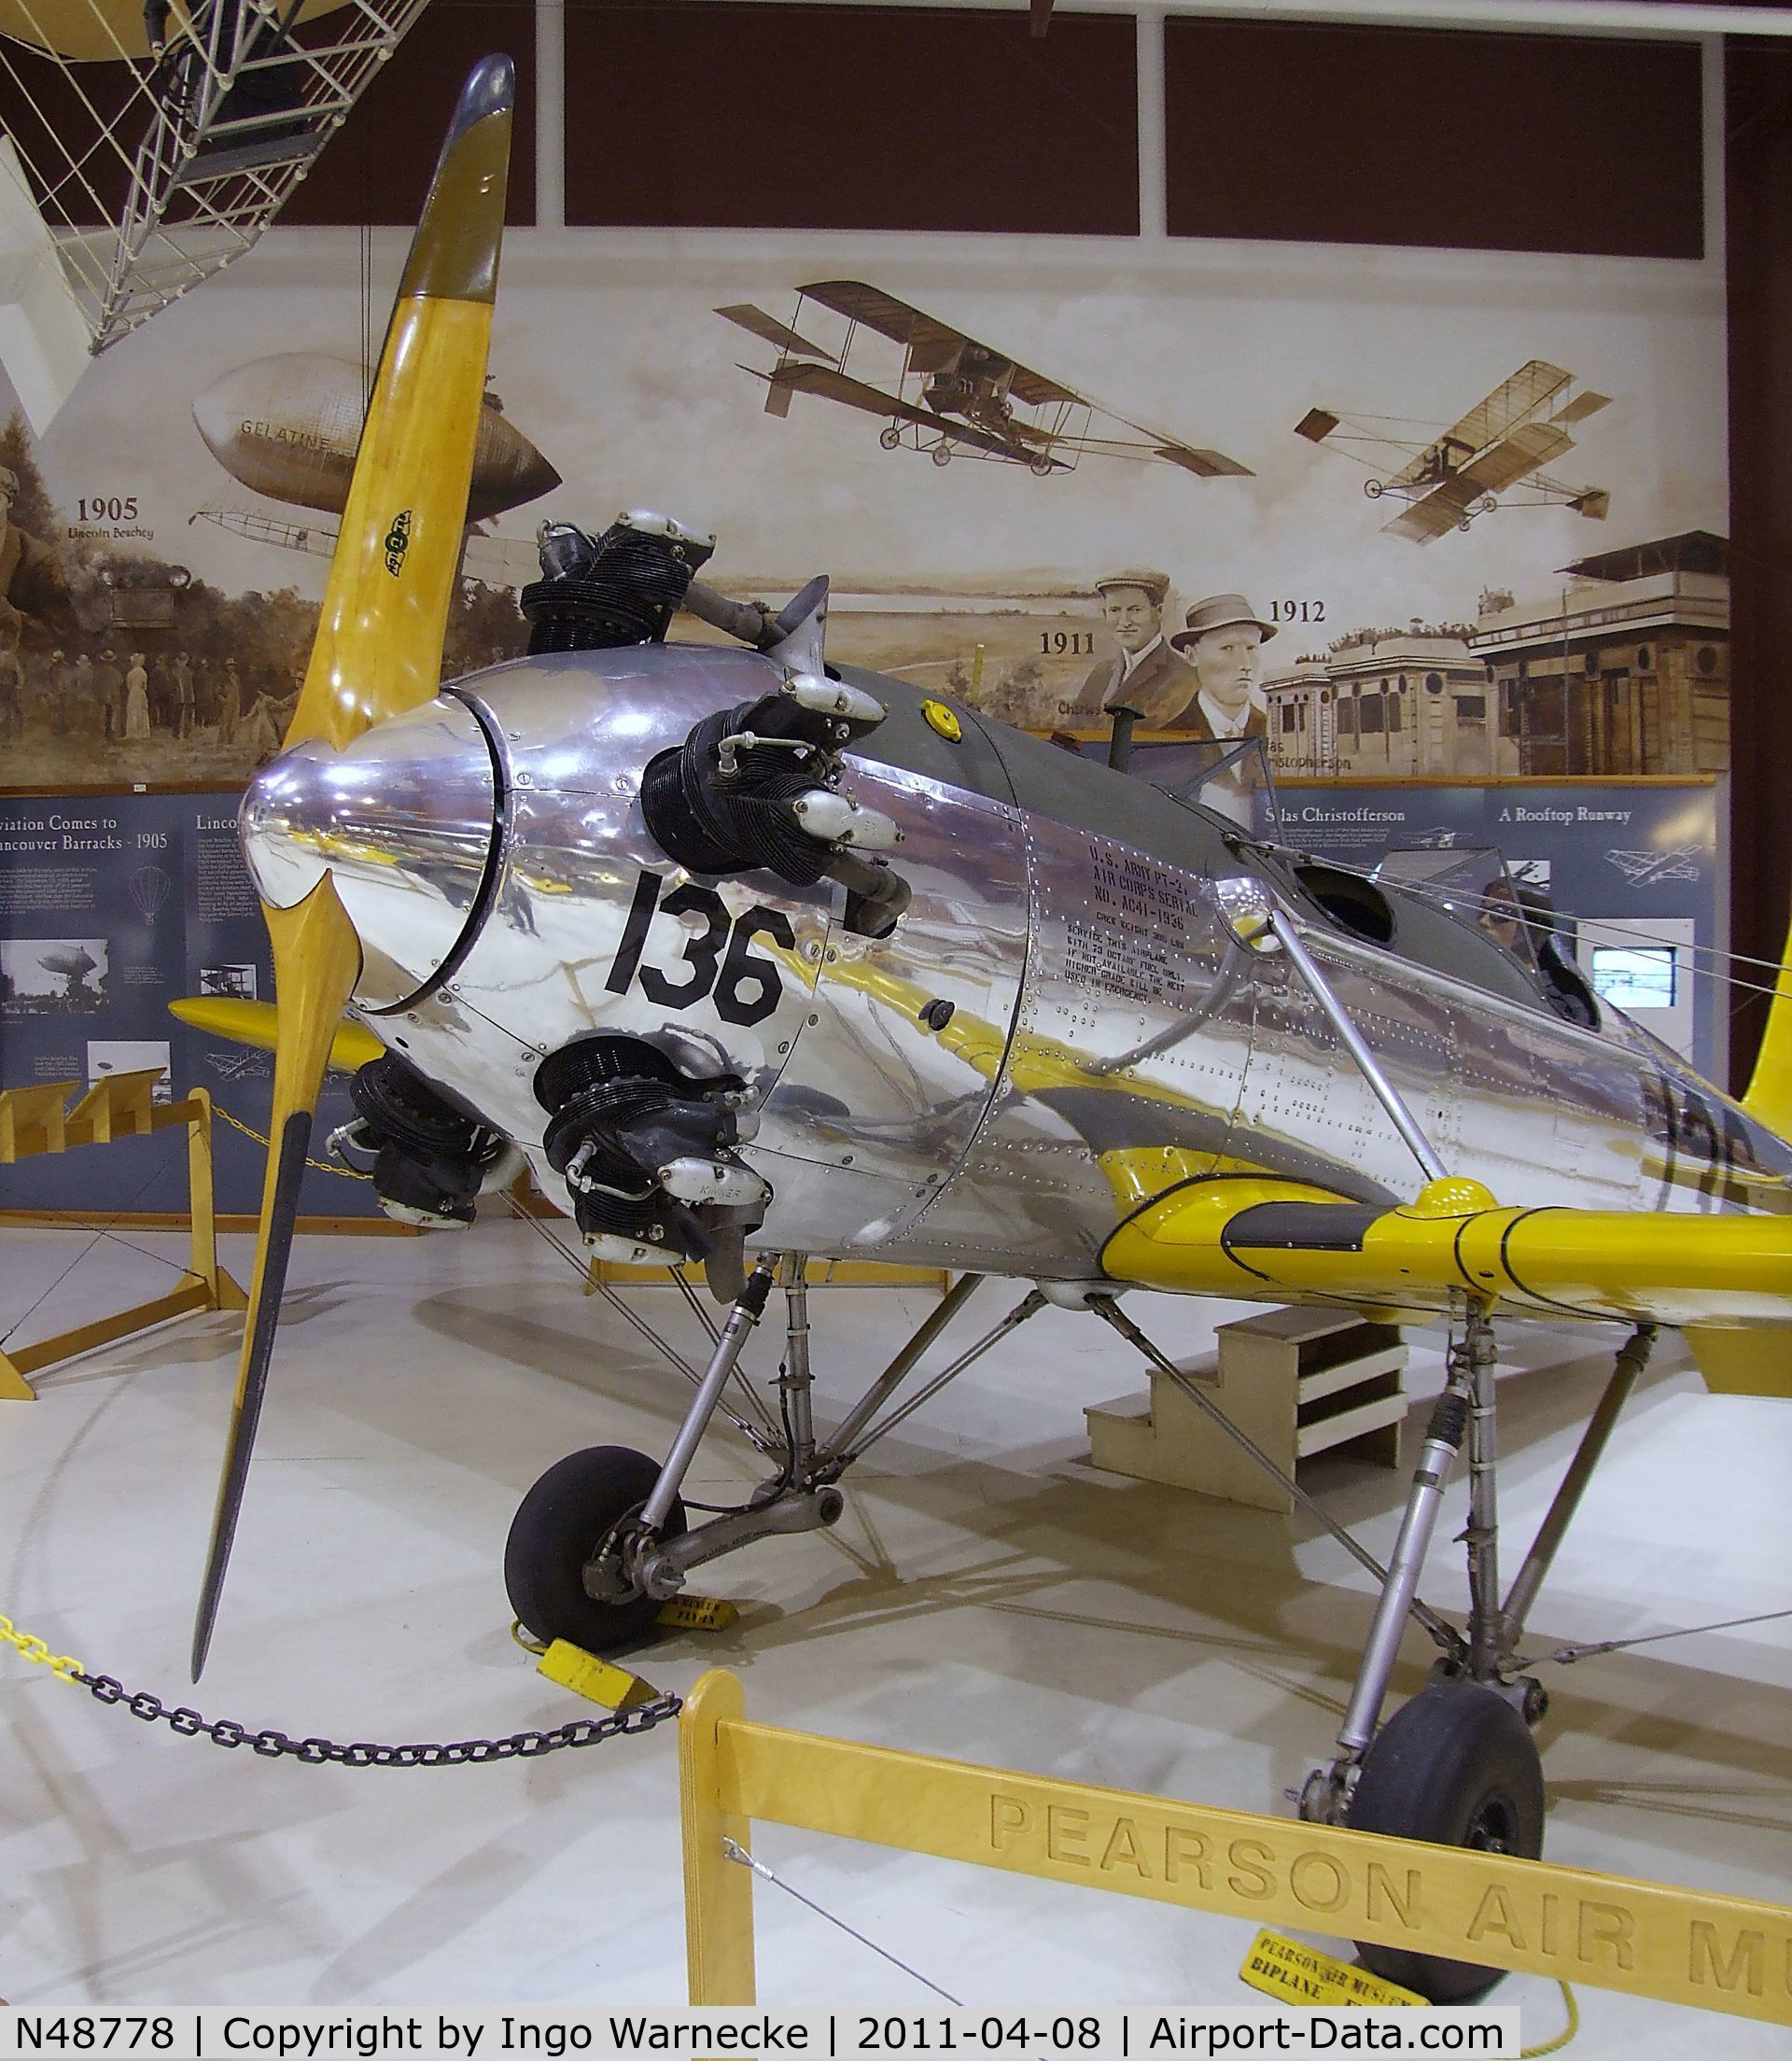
(890, 438)
(942, 454)
(1373, 490)
(559, 1525)
(1041, 467)
(1455, 1767)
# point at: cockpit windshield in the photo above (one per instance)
(1231, 776)
(1476, 886)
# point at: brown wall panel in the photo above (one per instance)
(1438, 138)
(376, 168)
(750, 116)
(1758, 209)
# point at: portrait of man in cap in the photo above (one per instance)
(32, 585)
(1145, 675)
(1220, 643)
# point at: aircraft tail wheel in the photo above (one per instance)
(1455, 1767)
(1373, 490)
(558, 1527)
(942, 454)
(890, 437)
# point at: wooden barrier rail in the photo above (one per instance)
(38, 1120)
(1650, 1939)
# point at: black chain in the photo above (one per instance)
(520, 1745)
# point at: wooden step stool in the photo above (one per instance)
(1297, 1382)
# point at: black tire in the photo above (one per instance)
(558, 1527)
(1454, 1767)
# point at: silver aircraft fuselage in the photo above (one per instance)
(1061, 1024)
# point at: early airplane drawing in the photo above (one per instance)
(1641, 869)
(751, 955)
(1495, 451)
(951, 394)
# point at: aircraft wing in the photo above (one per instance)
(1441, 510)
(1530, 445)
(255, 1023)
(1269, 1239)
(854, 393)
(933, 345)
(1532, 387)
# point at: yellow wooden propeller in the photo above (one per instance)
(378, 652)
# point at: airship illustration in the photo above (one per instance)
(286, 426)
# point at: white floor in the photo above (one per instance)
(988, 1597)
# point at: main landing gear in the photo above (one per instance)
(602, 1541)
(1457, 1765)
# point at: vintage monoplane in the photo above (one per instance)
(1449, 478)
(751, 955)
(951, 393)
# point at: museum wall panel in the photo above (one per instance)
(752, 116)
(1448, 139)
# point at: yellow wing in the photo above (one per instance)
(256, 1023)
(1280, 1241)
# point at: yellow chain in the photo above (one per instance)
(62, 1665)
(1562, 2038)
(323, 1166)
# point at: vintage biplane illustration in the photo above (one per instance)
(948, 393)
(1642, 869)
(749, 956)
(1490, 458)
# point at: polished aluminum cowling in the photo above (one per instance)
(405, 821)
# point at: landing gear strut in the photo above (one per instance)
(1457, 1765)
(601, 1542)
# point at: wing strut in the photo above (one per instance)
(1256, 917)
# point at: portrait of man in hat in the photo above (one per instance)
(1220, 644)
(1145, 675)
(32, 585)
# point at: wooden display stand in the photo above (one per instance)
(36, 1120)
(1298, 1381)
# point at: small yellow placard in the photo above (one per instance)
(697, 1614)
(941, 719)
(1295, 1974)
(596, 1680)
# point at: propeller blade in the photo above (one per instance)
(385, 607)
(378, 652)
(317, 956)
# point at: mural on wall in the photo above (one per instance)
(1054, 485)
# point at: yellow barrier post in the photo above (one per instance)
(34, 1120)
(718, 1892)
(1647, 1939)
(203, 1208)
